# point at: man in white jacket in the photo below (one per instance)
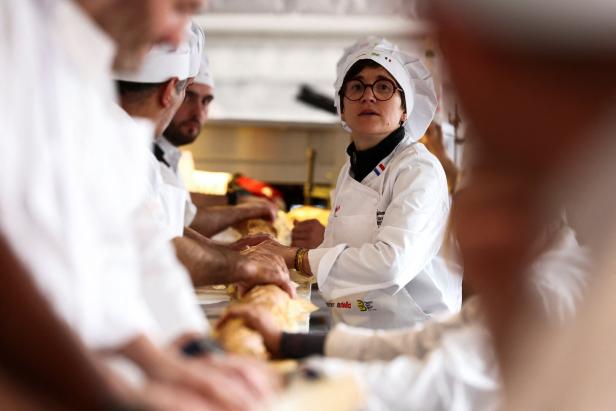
(155, 93)
(204, 213)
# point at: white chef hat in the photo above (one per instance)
(410, 73)
(205, 75)
(196, 40)
(588, 26)
(164, 62)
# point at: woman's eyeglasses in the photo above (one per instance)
(382, 90)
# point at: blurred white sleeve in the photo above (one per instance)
(368, 345)
(167, 286)
(460, 375)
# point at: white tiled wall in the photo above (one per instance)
(261, 52)
(260, 62)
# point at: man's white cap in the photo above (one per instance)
(587, 26)
(197, 41)
(205, 75)
(410, 73)
(164, 62)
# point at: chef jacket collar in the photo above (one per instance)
(171, 153)
(365, 161)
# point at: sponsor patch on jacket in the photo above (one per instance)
(379, 218)
(365, 305)
(341, 304)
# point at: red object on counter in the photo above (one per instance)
(257, 188)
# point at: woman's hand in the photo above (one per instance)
(259, 320)
(307, 234)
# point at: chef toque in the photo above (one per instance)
(196, 40)
(164, 62)
(205, 75)
(410, 73)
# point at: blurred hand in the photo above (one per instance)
(153, 394)
(259, 208)
(258, 266)
(257, 375)
(218, 382)
(307, 234)
(156, 396)
(259, 320)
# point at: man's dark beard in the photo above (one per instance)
(175, 136)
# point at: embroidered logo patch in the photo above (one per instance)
(379, 169)
(379, 218)
(365, 306)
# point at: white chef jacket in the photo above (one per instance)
(170, 176)
(450, 364)
(167, 286)
(73, 199)
(171, 198)
(380, 264)
(70, 177)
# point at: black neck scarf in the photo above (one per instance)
(363, 162)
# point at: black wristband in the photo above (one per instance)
(123, 408)
(232, 197)
(201, 346)
(116, 406)
(301, 345)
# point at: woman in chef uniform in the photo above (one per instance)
(379, 264)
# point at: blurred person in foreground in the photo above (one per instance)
(550, 67)
(72, 190)
(560, 93)
(29, 375)
(205, 214)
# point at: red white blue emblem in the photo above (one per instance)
(379, 169)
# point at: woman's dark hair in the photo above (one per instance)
(355, 70)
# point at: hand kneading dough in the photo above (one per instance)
(236, 338)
